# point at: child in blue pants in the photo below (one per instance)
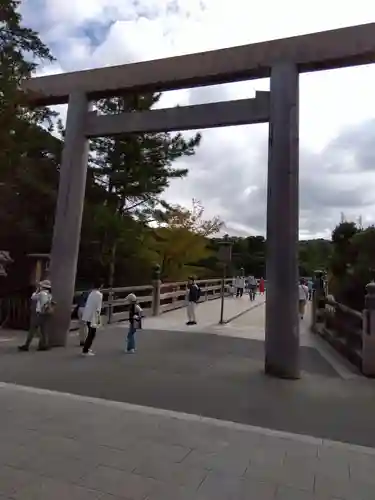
(135, 315)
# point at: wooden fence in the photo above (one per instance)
(342, 327)
(154, 299)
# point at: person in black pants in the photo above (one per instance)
(91, 315)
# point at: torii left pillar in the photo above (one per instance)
(68, 218)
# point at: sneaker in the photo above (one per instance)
(132, 351)
(189, 323)
(90, 353)
(23, 348)
(193, 323)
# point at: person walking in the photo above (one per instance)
(310, 287)
(41, 309)
(261, 286)
(91, 316)
(240, 285)
(193, 294)
(303, 294)
(135, 321)
(252, 286)
(81, 303)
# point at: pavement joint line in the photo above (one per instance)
(238, 315)
(192, 418)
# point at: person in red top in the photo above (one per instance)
(261, 286)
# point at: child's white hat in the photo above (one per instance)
(131, 297)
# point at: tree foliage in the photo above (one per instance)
(21, 50)
(352, 265)
(134, 170)
(29, 155)
(181, 240)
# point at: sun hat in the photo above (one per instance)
(45, 284)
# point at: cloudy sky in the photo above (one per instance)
(228, 173)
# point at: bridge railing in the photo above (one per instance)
(169, 296)
(343, 328)
(154, 299)
(15, 312)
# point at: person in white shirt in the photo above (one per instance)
(41, 300)
(303, 294)
(91, 315)
(239, 283)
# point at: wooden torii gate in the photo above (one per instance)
(281, 60)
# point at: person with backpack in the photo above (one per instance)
(252, 287)
(81, 303)
(41, 308)
(135, 322)
(239, 283)
(193, 294)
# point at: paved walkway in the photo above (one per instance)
(62, 447)
(208, 314)
(89, 441)
(204, 374)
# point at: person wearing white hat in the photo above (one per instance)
(91, 316)
(41, 308)
(135, 316)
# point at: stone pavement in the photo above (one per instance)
(251, 324)
(208, 314)
(212, 375)
(245, 319)
(63, 447)
(90, 441)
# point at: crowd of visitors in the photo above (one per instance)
(90, 304)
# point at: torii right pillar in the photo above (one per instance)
(282, 319)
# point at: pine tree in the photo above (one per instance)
(29, 155)
(135, 169)
(21, 50)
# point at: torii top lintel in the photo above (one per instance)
(332, 49)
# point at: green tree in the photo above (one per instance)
(181, 241)
(348, 267)
(29, 155)
(21, 50)
(134, 170)
(314, 255)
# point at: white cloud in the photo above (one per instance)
(228, 172)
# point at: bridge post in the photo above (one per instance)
(156, 284)
(368, 334)
(282, 320)
(68, 218)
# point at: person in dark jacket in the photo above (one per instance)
(193, 294)
(135, 321)
(81, 303)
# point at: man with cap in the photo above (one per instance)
(41, 307)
